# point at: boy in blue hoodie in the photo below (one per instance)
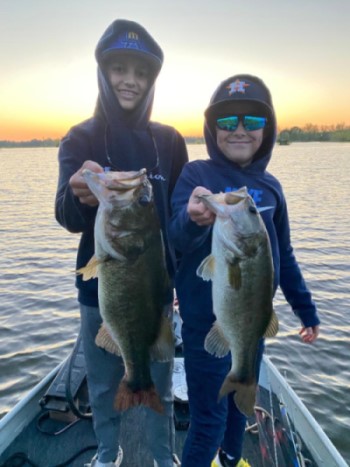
(240, 131)
(120, 136)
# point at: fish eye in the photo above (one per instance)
(253, 209)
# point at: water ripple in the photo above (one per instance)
(39, 317)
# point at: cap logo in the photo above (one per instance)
(132, 41)
(133, 36)
(128, 40)
(237, 86)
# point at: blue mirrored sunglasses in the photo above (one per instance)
(250, 122)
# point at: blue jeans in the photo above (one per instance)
(104, 373)
(212, 423)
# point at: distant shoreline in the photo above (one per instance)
(311, 134)
(54, 143)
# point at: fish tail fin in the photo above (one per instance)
(244, 395)
(126, 398)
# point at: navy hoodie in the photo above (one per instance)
(218, 174)
(120, 140)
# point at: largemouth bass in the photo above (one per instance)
(132, 281)
(241, 270)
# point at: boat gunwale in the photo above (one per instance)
(17, 419)
(314, 437)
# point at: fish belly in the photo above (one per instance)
(131, 307)
(243, 315)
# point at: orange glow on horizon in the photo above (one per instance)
(38, 128)
(41, 128)
(28, 133)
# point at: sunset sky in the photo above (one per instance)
(300, 49)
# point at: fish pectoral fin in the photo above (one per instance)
(206, 268)
(272, 328)
(235, 275)
(215, 342)
(244, 396)
(104, 340)
(163, 350)
(90, 270)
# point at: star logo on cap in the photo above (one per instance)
(237, 86)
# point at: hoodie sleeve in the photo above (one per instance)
(70, 213)
(292, 282)
(186, 234)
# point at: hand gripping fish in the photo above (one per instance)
(241, 270)
(132, 281)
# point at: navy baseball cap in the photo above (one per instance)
(134, 42)
(240, 88)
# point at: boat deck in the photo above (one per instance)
(50, 440)
(47, 450)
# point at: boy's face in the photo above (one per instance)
(240, 145)
(130, 78)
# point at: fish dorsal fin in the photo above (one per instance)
(90, 270)
(104, 340)
(163, 349)
(272, 328)
(206, 268)
(215, 342)
(235, 275)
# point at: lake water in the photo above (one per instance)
(39, 317)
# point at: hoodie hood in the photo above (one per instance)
(124, 36)
(239, 88)
(127, 136)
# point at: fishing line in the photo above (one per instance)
(114, 167)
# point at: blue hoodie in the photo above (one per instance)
(218, 174)
(122, 141)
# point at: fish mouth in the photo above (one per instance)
(123, 181)
(120, 181)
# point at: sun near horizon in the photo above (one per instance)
(49, 99)
(50, 114)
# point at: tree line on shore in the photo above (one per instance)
(308, 133)
(33, 143)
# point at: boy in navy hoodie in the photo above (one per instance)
(120, 136)
(240, 131)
